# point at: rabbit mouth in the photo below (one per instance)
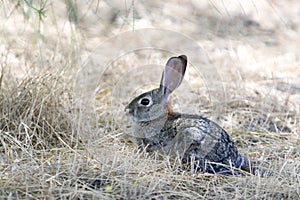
(134, 117)
(130, 113)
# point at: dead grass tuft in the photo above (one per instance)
(37, 115)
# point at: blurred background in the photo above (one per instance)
(69, 67)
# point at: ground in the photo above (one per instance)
(68, 69)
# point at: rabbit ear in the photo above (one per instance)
(172, 76)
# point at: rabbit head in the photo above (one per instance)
(153, 105)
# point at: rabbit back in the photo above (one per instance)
(199, 140)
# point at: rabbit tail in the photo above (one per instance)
(244, 164)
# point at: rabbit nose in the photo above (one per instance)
(128, 110)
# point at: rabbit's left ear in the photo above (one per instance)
(172, 76)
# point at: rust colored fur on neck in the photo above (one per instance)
(169, 107)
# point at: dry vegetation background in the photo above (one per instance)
(62, 122)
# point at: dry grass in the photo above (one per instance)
(54, 147)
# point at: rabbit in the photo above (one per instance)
(193, 138)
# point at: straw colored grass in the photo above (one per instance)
(43, 156)
(54, 147)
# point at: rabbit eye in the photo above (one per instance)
(145, 102)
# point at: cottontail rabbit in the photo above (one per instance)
(191, 137)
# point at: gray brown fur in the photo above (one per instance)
(191, 137)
